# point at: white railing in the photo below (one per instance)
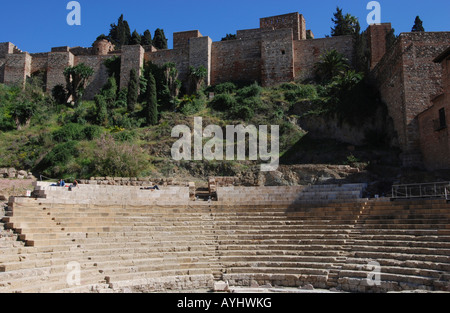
(428, 190)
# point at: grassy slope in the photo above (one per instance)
(272, 106)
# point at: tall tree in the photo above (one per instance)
(151, 105)
(109, 92)
(147, 38)
(196, 78)
(135, 38)
(120, 34)
(344, 25)
(76, 80)
(133, 91)
(160, 40)
(22, 112)
(113, 66)
(418, 25)
(101, 110)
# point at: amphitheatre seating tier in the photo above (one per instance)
(147, 246)
(291, 194)
(106, 194)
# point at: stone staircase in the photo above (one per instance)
(154, 244)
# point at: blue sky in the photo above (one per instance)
(36, 26)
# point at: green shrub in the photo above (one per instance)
(119, 159)
(291, 96)
(301, 92)
(322, 91)
(92, 132)
(307, 92)
(223, 102)
(288, 86)
(225, 88)
(61, 154)
(6, 122)
(124, 136)
(253, 90)
(59, 93)
(124, 121)
(78, 116)
(194, 106)
(242, 111)
(69, 132)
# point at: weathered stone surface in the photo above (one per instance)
(407, 79)
(221, 286)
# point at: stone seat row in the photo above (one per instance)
(234, 242)
(191, 258)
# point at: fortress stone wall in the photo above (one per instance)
(433, 123)
(408, 79)
(278, 51)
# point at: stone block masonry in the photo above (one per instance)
(17, 68)
(266, 55)
(376, 37)
(434, 123)
(132, 58)
(308, 52)
(408, 79)
(100, 77)
(57, 63)
(277, 55)
(237, 60)
(200, 54)
(181, 40)
(294, 21)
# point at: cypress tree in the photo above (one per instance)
(127, 33)
(101, 110)
(147, 38)
(344, 25)
(160, 40)
(109, 92)
(418, 25)
(120, 34)
(135, 38)
(151, 106)
(133, 91)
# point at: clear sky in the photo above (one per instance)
(38, 25)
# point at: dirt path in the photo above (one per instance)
(15, 187)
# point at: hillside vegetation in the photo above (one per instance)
(114, 135)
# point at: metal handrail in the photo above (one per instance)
(425, 190)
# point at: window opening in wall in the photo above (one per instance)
(283, 52)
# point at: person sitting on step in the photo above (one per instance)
(74, 184)
(155, 187)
